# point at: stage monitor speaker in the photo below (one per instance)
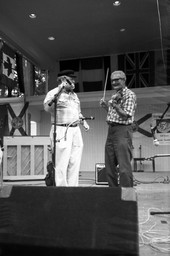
(100, 174)
(68, 220)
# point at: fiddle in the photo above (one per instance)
(116, 98)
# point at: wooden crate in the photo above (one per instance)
(25, 157)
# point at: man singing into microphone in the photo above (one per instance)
(120, 116)
(69, 142)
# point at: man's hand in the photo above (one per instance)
(112, 103)
(104, 104)
(61, 86)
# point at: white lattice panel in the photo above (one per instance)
(25, 157)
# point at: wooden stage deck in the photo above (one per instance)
(153, 198)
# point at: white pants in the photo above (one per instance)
(69, 147)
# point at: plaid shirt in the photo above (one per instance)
(126, 103)
(68, 107)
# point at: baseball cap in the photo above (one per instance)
(118, 74)
(69, 73)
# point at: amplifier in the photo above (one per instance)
(100, 174)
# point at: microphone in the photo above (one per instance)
(88, 118)
(155, 140)
(68, 81)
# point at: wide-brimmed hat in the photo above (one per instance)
(69, 73)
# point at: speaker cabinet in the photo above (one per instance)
(69, 220)
(100, 174)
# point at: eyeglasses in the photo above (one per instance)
(117, 79)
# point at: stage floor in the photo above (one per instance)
(153, 197)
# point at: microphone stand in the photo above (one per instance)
(54, 141)
(54, 134)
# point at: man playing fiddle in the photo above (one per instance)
(118, 147)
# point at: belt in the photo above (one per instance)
(67, 125)
(116, 124)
